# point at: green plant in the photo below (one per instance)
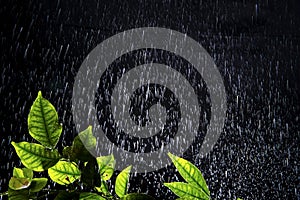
(82, 175)
(195, 188)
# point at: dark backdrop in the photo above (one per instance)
(255, 45)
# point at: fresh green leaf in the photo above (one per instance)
(23, 173)
(90, 174)
(121, 185)
(35, 156)
(43, 122)
(18, 194)
(106, 165)
(137, 196)
(37, 184)
(83, 143)
(64, 172)
(190, 173)
(185, 190)
(90, 196)
(19, 183)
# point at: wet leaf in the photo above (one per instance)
(19, 183)
(43, 122)
(37, 184)
(35, 156)
(185, 190)
(106, 165)
(121, 185)
(190, 173)
(90, 196)
(64, 172)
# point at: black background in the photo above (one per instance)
(255, 44)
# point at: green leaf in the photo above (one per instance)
(23, 173)
(137, 196)
(90, 174)
(185, 190)
(43, 122)
(121, 185)
(35, 156)
(190, 173)
(18, 194)
(64, 172)
(84, 142)
(19, 183)
(37, 184)
(106, 165)
(90, 196)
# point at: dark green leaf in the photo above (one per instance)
(43, 122)
(67, 152)
(83, 144)
(90, 174)
(35, 156)
(64, 195)
(38, 184)
(18, 194)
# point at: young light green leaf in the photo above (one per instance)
(83, 143)
(90, 196)
(23, 173)
(19, 183)
(43, 122)
(137, 196)
(64, 172)
(190, 173)
(35, 156)
(185, 190)
(37, 184)
(106, 165)
(121, 185)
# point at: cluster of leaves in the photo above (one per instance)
(83, 175)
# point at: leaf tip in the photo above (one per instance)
(40, 94)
